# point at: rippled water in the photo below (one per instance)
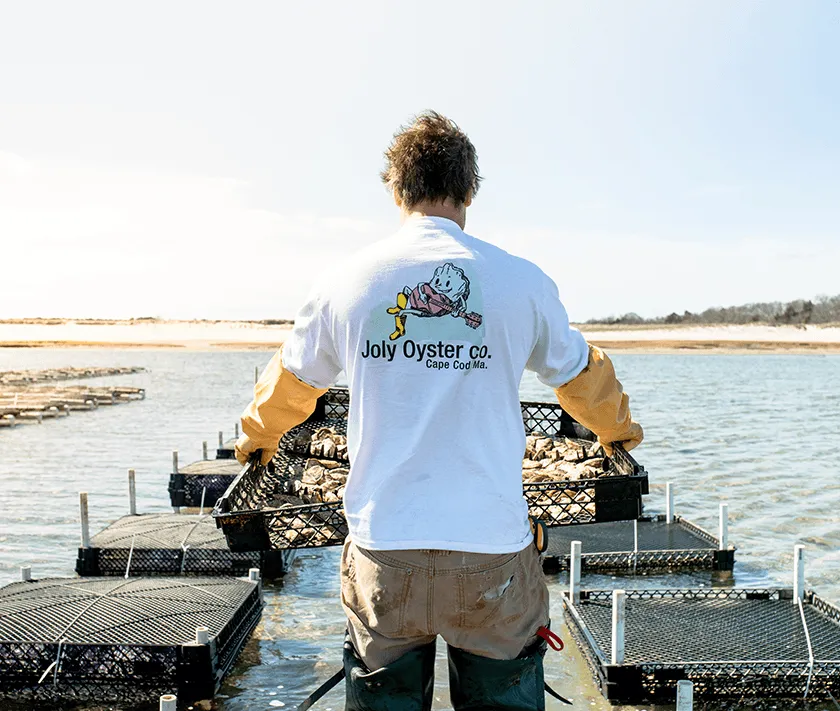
(761, 432)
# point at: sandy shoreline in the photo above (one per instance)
(251, 335)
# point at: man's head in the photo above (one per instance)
(431, 166)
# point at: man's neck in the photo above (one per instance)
(446, 209)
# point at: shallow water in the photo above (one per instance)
(761, 432)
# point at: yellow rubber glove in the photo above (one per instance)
(281, 401)
(597, 400)
(245, 448)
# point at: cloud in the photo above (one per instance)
(85, 240)
(88, 241)
(609, 274)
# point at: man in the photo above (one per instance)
(433, 329)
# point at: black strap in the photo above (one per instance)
(322, 690)
(553, 693)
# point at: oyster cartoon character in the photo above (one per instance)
(445, 294)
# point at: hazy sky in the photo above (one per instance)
(204, 159)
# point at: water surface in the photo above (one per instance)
(760, 432)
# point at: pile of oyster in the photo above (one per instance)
(550, 459)
(324, 443)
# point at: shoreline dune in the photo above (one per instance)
(255, 335)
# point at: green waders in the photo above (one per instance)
(406, 684)
(478, 683)
(475, 683)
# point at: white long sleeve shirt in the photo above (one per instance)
(434, 329)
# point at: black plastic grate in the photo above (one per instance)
(227, 450)
(253, 516)
(171, 544)
(108, 639)
(208, 479)
(680, 545)
(729, 642)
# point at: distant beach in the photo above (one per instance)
(256, 335)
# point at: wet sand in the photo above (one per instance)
(254, 335)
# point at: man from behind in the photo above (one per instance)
(433, 329)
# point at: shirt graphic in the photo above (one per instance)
(445, 294)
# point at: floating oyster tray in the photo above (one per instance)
(295, 502)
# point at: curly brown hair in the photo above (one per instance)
(431, 160)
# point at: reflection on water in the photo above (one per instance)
(760, 432)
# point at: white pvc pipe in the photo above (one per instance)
(169, 702)
(132, 493)
(669, 503)
(574, 573)
(635, 535)
(618, 619)
(204, 450)
(723, 528)
(254, 575)
(26, 573)
(202, 635)
(175, 462)
(685, 695)
(798, 573)
(84, 519)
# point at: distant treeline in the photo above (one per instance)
(823, 309)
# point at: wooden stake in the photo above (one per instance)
(132, 493)
(204, 450)
(221, 439)
(175, 462)
(236, 431)
(83, 515)
(723, 528)
(574, 573)
(669, 503)
(798, 573)
(618, 619)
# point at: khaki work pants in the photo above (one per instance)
(397, 601)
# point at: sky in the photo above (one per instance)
(207, 159)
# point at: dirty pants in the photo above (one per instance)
(398, 601)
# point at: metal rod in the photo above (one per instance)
(202, 635)
(85, 520)
(798, 573)
(669, 502)
(132, 493)
(685, 695)
(175, 462)
(618, 617)
(204, 450)
(254, 575)
(724, 527)
(169, 702)
(574, 573)
(26, 573)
